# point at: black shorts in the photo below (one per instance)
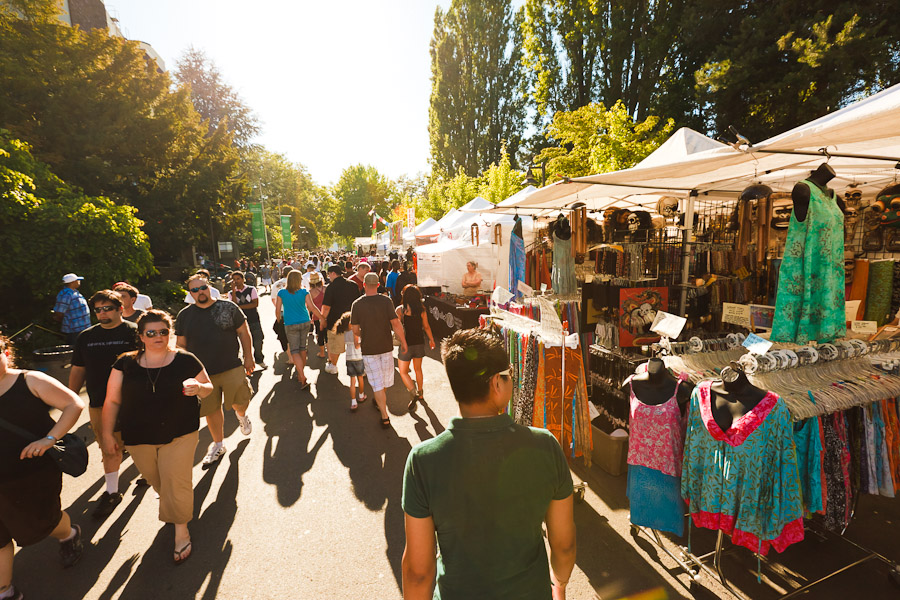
(30, 507)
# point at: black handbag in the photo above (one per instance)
(69, 452)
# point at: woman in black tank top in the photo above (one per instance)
(30, 481)
(415, 327)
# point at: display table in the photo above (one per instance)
(445, 317)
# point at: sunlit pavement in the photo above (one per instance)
(308, 506)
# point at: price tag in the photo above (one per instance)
(742, 273)
(864, 326)
(526, 289)
(737, 314)
(592, 411)
(501, 295)
(756, 344)
(543, 287)
(668, 325)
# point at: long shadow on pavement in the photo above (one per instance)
(156, 575)
(374, 457)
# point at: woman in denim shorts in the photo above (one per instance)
(294, 306)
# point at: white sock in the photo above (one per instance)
(112, 482)
(72, 533)
(219, 444)
(8, 592)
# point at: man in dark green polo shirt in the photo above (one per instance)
(484, 486)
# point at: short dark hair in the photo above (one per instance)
(106, 296)
(395, 265)
(127, 288)
(471, 357)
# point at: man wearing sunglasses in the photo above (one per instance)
(485, 486)
(215, 331)
(96, 349)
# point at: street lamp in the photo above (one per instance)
(532, 171)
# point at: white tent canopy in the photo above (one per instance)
(867, 127)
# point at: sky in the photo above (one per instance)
(334, 83)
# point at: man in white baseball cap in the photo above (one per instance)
(71, 309)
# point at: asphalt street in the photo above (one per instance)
(308, 506)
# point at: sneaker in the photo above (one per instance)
(70, 551)
(106, 505)
(331, 369)
(214, 454)
(246, 425)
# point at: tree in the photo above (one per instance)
(44, 221)
(476, 99)
(445, 194)
(500, 181)
(360, 189)
(788, 62)
(216, 101)
(594, 139)
(581, 51)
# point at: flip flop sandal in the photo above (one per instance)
(180, 556)
(385, 423)
(354, 407)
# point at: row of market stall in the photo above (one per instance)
(759, 280)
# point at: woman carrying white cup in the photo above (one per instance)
(154, 393)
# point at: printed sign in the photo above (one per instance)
(864, 326)
(737, 314)
(286, 242)
(257, 224)
(756, 344)
(638, 308)
(851, 308)
(526, 289)
(668, 325)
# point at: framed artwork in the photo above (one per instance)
(637, 311)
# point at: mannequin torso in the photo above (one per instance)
(561, 228)
(657, 385)
(800, 194)
(731, 400)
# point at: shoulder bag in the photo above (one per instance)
(69, 452)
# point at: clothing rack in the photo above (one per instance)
(870, 364)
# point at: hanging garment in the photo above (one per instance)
(878, 294)
(563, 277)
(561, 401)
(809, 305)
(743, 481)
(860, 286)
(655, 449)
(516, 258)
(809, 463)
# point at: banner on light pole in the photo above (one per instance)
(286, 232)
(257, 224)
(410, 217)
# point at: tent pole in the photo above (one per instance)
(686, 250)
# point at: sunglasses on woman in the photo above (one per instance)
(152, 333)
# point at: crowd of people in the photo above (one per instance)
(150, 377)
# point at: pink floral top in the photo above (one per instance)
(656, 439)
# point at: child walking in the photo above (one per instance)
(353, 355)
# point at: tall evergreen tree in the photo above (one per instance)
(477, 104)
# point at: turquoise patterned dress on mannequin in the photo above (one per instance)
(810, 300)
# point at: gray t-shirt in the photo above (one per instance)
(212, 334)
(374, 314)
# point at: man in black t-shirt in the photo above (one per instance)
(96, 349)
(211, 329)
(247, 299)
(339, 297)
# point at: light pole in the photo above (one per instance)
(532, 171)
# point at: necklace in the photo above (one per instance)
(158, 372)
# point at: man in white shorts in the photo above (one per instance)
(372, 318)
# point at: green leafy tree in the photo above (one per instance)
(500, 181)
(44, 221)
(788, 62)
(445, 194)
(476, 103)
(360, 189)
(594, 139)
(216, 101)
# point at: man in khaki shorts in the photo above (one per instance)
(96, 349)
(213, 330)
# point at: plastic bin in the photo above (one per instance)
(54, 361)
(610, 452)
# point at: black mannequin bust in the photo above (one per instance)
(657, 385)
(561, 228)
(733, 399)
(800, 194)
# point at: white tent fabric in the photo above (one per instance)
(683, 142)
(719, 174)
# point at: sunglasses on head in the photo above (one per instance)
(152, 333)
(506, 373)
(104, 309)
(199, 288)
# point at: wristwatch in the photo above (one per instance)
(51, 438)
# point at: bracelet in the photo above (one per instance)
(51, 438)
